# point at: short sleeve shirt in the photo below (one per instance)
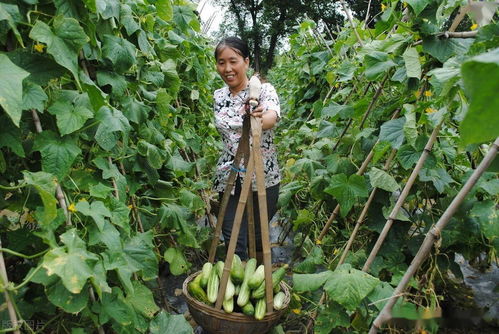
(229, 122)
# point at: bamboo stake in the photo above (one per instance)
(363, 214)
(402, 198)
(349, 15)
(432, 236)
(462, 34)
(10, 305)
(373, 101)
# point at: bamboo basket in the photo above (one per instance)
(216, 321)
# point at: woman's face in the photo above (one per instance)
(232, 68)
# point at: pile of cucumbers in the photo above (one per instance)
(245, 287)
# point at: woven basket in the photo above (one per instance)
(216, 321)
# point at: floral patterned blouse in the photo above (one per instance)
(229, 111)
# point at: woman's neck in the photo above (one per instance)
(234, 91)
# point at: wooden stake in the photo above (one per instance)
(432, 236)
(8, 301)
(402, 198)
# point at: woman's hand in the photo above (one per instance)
(268, 117)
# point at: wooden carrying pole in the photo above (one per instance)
(432, 236)
(402, 197)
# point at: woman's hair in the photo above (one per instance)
(236, 44)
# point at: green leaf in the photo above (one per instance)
(333, 109)
(412, 64)
(111, 121)
(142, 300)
(439, 177)
(70, 262)
(178, 164)
(109, 170)
(418, 5)
(11, 136)
(178, 263)
(45, 184)
(69, 302)
(128, 21)
(155, 156)
(139, 253)
(174, 216)
(169, 323)
(64, 41)
(377, 64)
(100, 190)
(134, 110)
(381, 179)
(486, 212)
(10, 13)
(113, 305)
(191, 200)
(310, 282)
(443, 49)
(58, 154)
(348, 286)
(481, 122)
(410, 127)
(11, 88)
(407, 156)
(69, 117)
(313, 259)
(330, 317)
(305, 217)
(108, 8)
(393, 131)
(97, 210)
(33, 97)
(116, 81)
(346, 190)
(346, 71)
(119, 51)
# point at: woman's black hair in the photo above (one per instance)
(236, 44)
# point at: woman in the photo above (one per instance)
(232, 56)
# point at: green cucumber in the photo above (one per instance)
(279, 300)
(257, 277)
(260, 309)
(205, 274)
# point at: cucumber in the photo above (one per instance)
(205, 274)
(228, 305)
(244, 292)
(220, 268)
(279, 300)
(248, 309)
(212, 287)
(277, 277)
(238, 288)
(237, 270)
(257, 277)
(260, 309)
(230, 289)
(196, 291)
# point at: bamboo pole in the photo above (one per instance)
(432, 236)
(462, 34)
(363, 214)
(402, 198)
(8, 301)
(350, 19)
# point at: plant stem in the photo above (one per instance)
(4, 281)
(6, 250)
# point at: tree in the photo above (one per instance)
(265, 24)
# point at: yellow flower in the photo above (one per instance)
(72, 207)
(83, 199)
(417, 94)
(383, 7)
(428, 93)
(130, 206)
(405, 4)
(39, 47)
(336, 251)
(318, 242)
(336, 85)
(474, 26)
(296, 311)
(430, 110)
(30, 218)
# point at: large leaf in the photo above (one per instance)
(64, 40)
(310, 282)
(347, 190)
(169, 323)
(418, 5)
(348, 286)
(175, 217)
(11, 88)
(377, 64)
(481, 123)
(41, 67)
(142, 300)
(70, 262)
(45, 184)
(33, 96)
(69, 302)
(58, 154)
(69, 117)
(11, 137)
(381, 179)
(313, 259)
(443, 49)
(486, 212)
(178, 263)
(412, 64)
(331, 316)
(97, 210)
(111, 121)
(393, 131)
(119, 51)
(407, 156)
(439, 177)
(165, 9)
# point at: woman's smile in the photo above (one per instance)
(232, 67)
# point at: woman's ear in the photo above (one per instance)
(246, 61)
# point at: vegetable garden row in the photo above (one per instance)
(107, 149)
